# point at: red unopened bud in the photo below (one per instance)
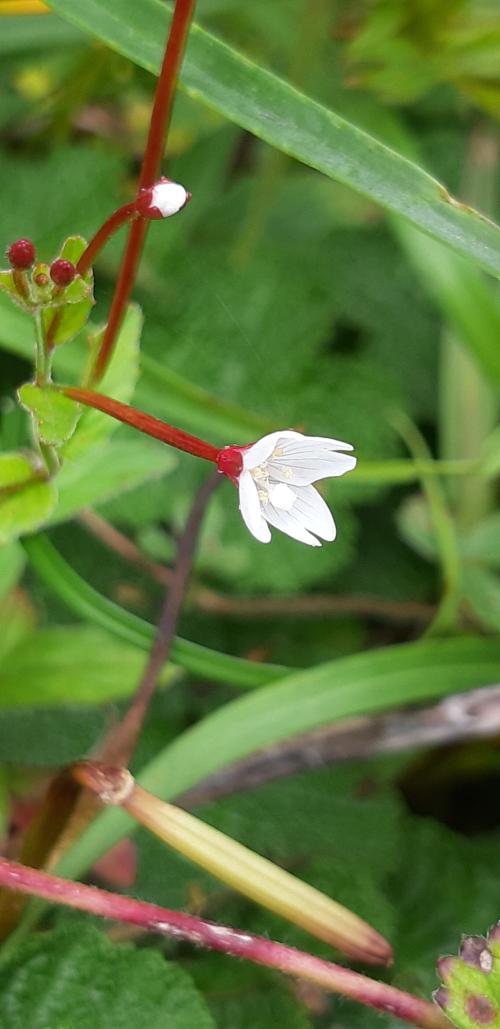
(162, 200)
(21, 254)
(62, 272)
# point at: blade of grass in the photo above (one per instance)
(287, 119)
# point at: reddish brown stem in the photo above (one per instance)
(152, 918)
(113, 223)
(158, 129)
(144, 423)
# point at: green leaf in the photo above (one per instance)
(75, 978)
(62, 579)
(108, 471)
(71, 665)
(55, 415)
(472, 982)
(118, 382)
(25, 508)
(481, 589)
(282, 116)
(482, 542)
(12, 561)
(364, 683)
(8, 286)
(70, 307)
(17, 619)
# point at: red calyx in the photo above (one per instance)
(230, 462)
(62, 272)
(21, 254)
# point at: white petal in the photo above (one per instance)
(314, 514)
(263, 448)
(303, 469)
(288, 523)
(281, 496)
(250, 508)
(314, 442)
(168, 197)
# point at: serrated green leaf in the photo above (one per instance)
(71, 665)
(12, 561)
(271, 109)
(75, 978)
(56, 416)
(24, 509)
(118, 382)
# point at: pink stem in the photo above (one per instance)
(152, 918)
(144, 423)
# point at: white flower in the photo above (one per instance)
(275, 477)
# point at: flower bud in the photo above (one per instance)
(162, 200)
(21, 254)
(62, 272)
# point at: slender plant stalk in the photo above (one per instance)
(446, 615)
(158, 129)
(144, 423)
(152, 918)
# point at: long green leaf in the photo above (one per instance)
(287, 119)
(361, 684)
(85, 601)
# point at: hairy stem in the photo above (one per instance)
(152, 918)
(144, 423)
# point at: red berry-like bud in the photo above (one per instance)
(21, 254)
(62, 272)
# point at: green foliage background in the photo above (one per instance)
(318, 279)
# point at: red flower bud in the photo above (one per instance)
(62, 272)
(21, 254)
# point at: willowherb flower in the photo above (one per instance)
(274, 478)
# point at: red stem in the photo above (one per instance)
(114, 222)
(158, 129)
(144, 423)
(152, 918)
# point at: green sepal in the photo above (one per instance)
(69, 308)
(8, 286)
(55, 415)
(26, 497)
